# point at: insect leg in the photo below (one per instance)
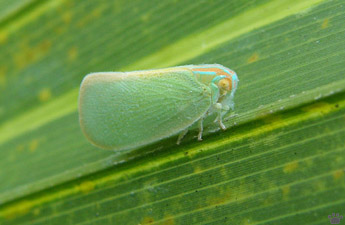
(201, 128)
(214, 92)
(219, 119)
(181, 136)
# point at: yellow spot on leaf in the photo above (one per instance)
(325, 23)
(285, 191)
(319, 185)
(67, 5)
(37, 211)
(3, 37)
(147, 220)
(67, 17)
(270, 139)
(97, 12)
(309, 162)
(220, 199)
(60, 30)
(3, 76)
(169, 220)
(197, 169)
(90, 17)
(45, 94)
(28, 55)
(338, 174)
(289, 168)
(253, 58)
(72, 54)
(17, 210)
(20, 147)
(318, 109)
(145, 17)
(33, 145)
(87, 186)
(44, 46)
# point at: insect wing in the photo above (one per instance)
(126, 110)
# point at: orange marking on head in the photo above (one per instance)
(217, 70)
(214, 69)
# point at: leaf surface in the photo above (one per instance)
(280, 161)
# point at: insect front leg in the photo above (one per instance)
(215, 93)
(217, 107)
(226, 104)
(219, 119)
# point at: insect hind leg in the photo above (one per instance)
(181, 136)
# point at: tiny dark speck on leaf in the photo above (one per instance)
(337, 105)
(186, 153)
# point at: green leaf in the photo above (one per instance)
(281, 160)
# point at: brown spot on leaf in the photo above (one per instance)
(147, 220)
(72, 54)
(338, 174)
(33, 145)
(253, 58)
(325, 23)
(44, 95)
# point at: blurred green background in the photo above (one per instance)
(281, 161)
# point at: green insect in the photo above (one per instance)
(126, 110)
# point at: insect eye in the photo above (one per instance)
(224, 84)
